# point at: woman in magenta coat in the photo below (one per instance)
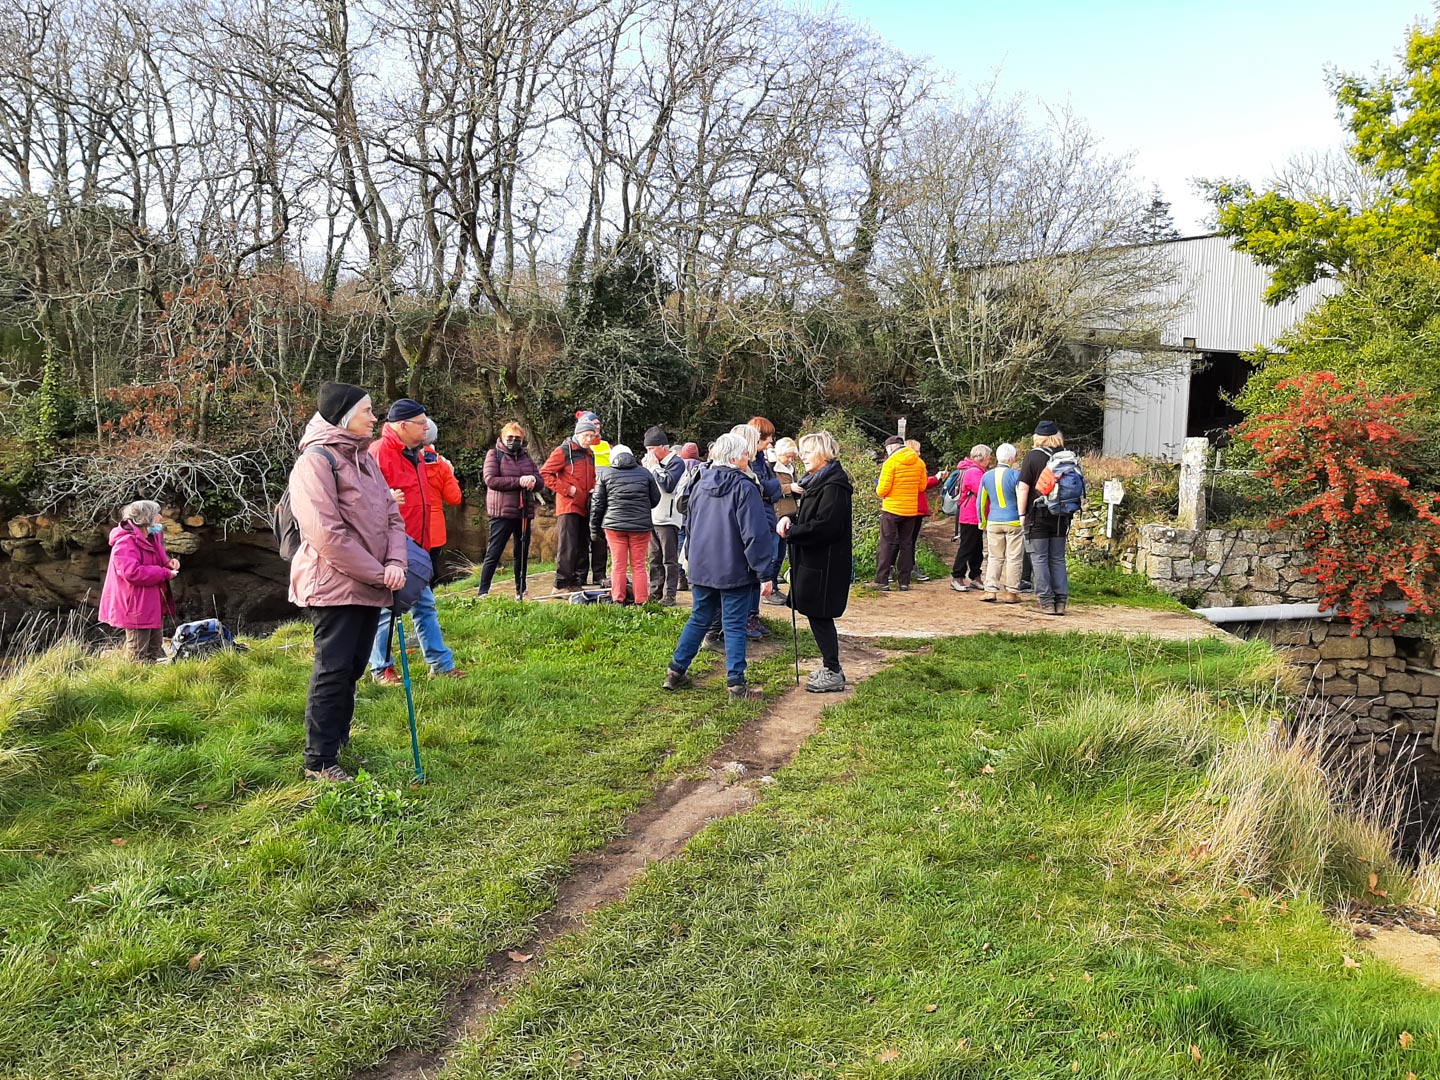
(136, 597)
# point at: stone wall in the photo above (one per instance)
(1224, 567)
(56, 567)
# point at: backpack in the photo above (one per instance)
(950, 497)
(282, 521)
(206, 637)
(419, 570)
(1061, 484)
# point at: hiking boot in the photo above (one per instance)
(333, 773)
(387, 676)
(754, 628)
(920, 575)
(1047, 607)
(959, 584)
(905, 587)
(990, 597)
(452, 673)
(1060, 605)
(778, 599)
(742, 692)
(684, 585)
(714, 642)
(825, 681)
(674, 680)
(667, 601)
(1011, 598)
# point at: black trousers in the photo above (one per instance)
(828, 641)
(578, 554)
(501, 531)
(664, 561)
(969, 554)
(344, 636)
(897, 547)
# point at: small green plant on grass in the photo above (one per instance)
(366, 800)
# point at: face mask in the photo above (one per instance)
(156, 529)
(513, 443)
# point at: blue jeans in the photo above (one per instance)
(427, 629)
(732, 607)
(1047, 562)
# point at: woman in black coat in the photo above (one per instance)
(820, 558)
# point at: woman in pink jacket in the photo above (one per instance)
(351, 558)
(965, 574)
(136, 596)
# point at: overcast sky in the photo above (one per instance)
(1221, 88)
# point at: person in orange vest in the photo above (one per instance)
(399, 453)
(444, 491)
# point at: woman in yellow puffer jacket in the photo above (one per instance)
(902, 482)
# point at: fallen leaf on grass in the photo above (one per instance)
(520, 957)
(1088, 977)
(885, 1057)
(195, 961)
(1350, 963)
(1074, 1066)
(1195, 1053)
(962, 1044)
(931, 1008)
(119, 841)
(987, 770)
(1374, 890)
(202, 806)
(1406, 1040)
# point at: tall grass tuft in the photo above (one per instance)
(1100, 739)
(1275, 813)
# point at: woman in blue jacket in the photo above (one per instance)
(729, 548)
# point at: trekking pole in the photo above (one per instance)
(409, 696)
(524, 555)
(794, 634)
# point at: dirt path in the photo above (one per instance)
(737, 773)
(730, 782)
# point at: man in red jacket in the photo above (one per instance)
(569, 471)
(398, 452)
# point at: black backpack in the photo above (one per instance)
(283, 523)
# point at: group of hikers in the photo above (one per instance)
(363, 511)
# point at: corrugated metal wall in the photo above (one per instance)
(1224, 288)
(1147, 400)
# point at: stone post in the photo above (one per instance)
(1192, 484)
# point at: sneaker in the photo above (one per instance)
(453, 673)
(1027, 586)
(825, 681)
(742, 692)
(481, 595)
(904, 588)
(674, 680)
(883, 586)
(333, 773)
(990, 598)
(753, 632)
(387, 676)
(920, 575)
(714, 642)
(778, 599)
(959, 584)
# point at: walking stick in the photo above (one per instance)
(409, 696)
(522, 557)
(794, 634)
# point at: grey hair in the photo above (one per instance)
(140, 512)
(750, 434)
(616, 449)
(787, 445)
(978, 451)
(823, 442)
(350, 412)
(1005, 453)
(431, 431)
(731, 446)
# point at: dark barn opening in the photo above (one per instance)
(1214, 381)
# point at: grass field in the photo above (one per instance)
(175, 901)
(980, 868)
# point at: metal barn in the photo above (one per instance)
(1154, 401)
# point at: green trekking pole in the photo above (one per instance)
(409, 696)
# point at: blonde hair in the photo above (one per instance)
(751, 434)
(512, 428)
(1049, 442)
(786, 445)
(822, 442)
(913, 444)
(979, 451)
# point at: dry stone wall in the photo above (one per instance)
(1225, 567)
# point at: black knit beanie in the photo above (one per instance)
(335, 399)
(656, 437)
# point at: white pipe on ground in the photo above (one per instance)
(1281, 612)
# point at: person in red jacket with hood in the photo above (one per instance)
(399, 453)
(444, 491)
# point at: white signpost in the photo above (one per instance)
(1114, 495)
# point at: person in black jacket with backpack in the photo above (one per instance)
(820, 553)
(1045, 533)
(620, 507)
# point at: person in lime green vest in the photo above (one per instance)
(600, 449)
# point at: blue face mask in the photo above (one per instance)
(156, 529)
